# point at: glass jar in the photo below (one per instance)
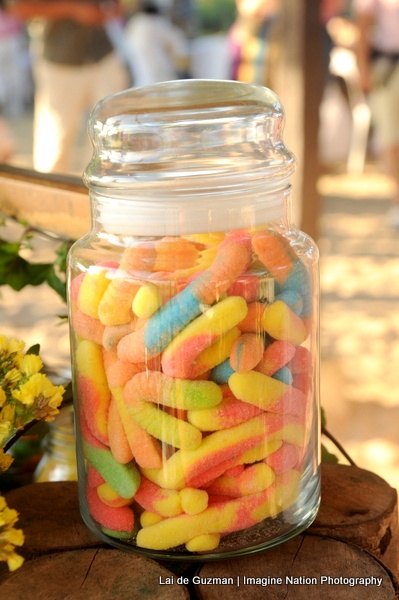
(194, 327)
(58, 461)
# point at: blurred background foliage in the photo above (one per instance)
(215, 16)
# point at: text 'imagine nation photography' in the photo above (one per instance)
(272, 581)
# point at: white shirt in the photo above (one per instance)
(385, 36)
(155, 46)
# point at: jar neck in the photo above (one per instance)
(163, 211)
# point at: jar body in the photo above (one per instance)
(195, 372)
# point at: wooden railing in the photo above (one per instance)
(55, 203)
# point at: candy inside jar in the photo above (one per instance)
(194, 353)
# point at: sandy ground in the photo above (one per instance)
(360, 320)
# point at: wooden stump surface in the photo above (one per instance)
(50, 518)
(360, 507)
(91, 574)
(296, 570)
(355, 534)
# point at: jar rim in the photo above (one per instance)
(190, 94)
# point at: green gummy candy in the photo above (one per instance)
(124, 479)
(122, 535)
(189, 395)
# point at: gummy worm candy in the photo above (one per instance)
(110, 497)
(183, 467)
(232, 258)
(275, 356)
(179, 358)
(252, 480)
(153, 498)
(116, 519)
(115, 305)
(279, 321)
(275, 253)
(118, 442)
(124, 479)
(86, 327)
(145, 389)
(145, 449)
(92, 288)
(267, 393)
(221, 517)
(246, 352)
(93, 388)
(167, 254)
(228, 413)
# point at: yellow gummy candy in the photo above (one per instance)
(148, 518)
(293, 433)
(165, 427)
(193, 501)
(279, 321)
(204, 543)
(110, 497)
(259, 452)
(256, 388)
(147, 301)
(92, 289)
(252, 480)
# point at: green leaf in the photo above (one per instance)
(39, 272)
(14, 271)
(56, 283)
(62, 254)
(17, 272)
(67, 397)
(327, 456)
(7, 248)
(35, 349)
(323, 417)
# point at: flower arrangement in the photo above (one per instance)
(26, 396)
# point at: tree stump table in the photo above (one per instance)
(351, 552)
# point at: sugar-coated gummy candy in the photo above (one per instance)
(193, 381)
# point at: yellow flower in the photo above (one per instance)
(3, 344)
(30, 364)
(26, 395)
(29, 391)
(12, 376)
(40, 394)
(9, 536)
(5, 431)
(7, 414)
(13, 536)
(8, 517)
(14, 561)
(5, 460)
(15, 345)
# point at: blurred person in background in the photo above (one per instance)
(378, 61)
(15, 80)
(251, 41)
(15, 76)
(74, 66)
(334, 17)
(158, 50)
(7, 141)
